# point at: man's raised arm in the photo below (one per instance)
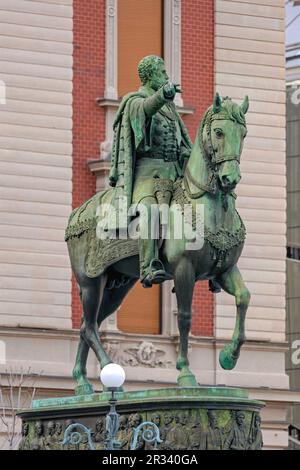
(165, 94)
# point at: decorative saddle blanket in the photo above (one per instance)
(103, 252)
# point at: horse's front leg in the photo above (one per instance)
(232, 283)
(184, 280)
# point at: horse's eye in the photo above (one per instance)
(219, 133)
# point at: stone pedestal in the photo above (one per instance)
(196, 418)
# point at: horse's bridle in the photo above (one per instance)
(213, 161)
(208, 120)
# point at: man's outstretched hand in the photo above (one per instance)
(170, 90)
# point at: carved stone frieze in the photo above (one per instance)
(144, 354)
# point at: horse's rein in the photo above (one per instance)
(211, 188)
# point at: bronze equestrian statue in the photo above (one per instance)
(153, 164)
(150, 146)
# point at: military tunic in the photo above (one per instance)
(163, 160)
(150, 144)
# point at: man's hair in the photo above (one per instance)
(147, 66)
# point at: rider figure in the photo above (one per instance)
(149, 149)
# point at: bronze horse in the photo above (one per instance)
(210, 176)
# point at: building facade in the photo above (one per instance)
(64, 65)
(293, 218)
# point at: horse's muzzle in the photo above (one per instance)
(229, 183)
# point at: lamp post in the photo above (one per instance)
(112, 376)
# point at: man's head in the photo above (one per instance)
(155, 418)
(58, 428)
(99, 425)
(240, 417)
(39, 428)
(152, 72)
(183, 419)
(123, 422)
(51, 428)
(257, 421)
(168, 418)
(25, 429)
(134, 420)
(212, 418)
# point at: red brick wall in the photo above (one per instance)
(198, 87)
(88, 118)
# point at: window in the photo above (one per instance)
(140, 33)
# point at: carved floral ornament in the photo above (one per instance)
(111, 11)
(143, 354)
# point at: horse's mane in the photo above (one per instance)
(233, 110)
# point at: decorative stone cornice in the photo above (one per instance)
(100, 168)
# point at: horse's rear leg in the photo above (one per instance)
(83, 387)
(232, 283)
(184, 280)
(111, 300)
(92, 295)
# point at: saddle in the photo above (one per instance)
(104, 251)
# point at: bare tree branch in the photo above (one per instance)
(17, 390)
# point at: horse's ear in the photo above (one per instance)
(217, 103)
(245, 105)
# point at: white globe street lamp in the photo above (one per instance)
(112, 376)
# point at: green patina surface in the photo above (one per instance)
(154, 163)
(203, 418)
(189, 394)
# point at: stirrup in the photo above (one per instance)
(155, 274)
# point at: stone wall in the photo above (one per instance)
(35, 162)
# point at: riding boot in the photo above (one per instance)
(152, 270)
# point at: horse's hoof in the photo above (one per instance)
(227, 360)
(186, 378)
(182, 363)
(84, 389)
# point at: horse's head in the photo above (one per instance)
(223, 137)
